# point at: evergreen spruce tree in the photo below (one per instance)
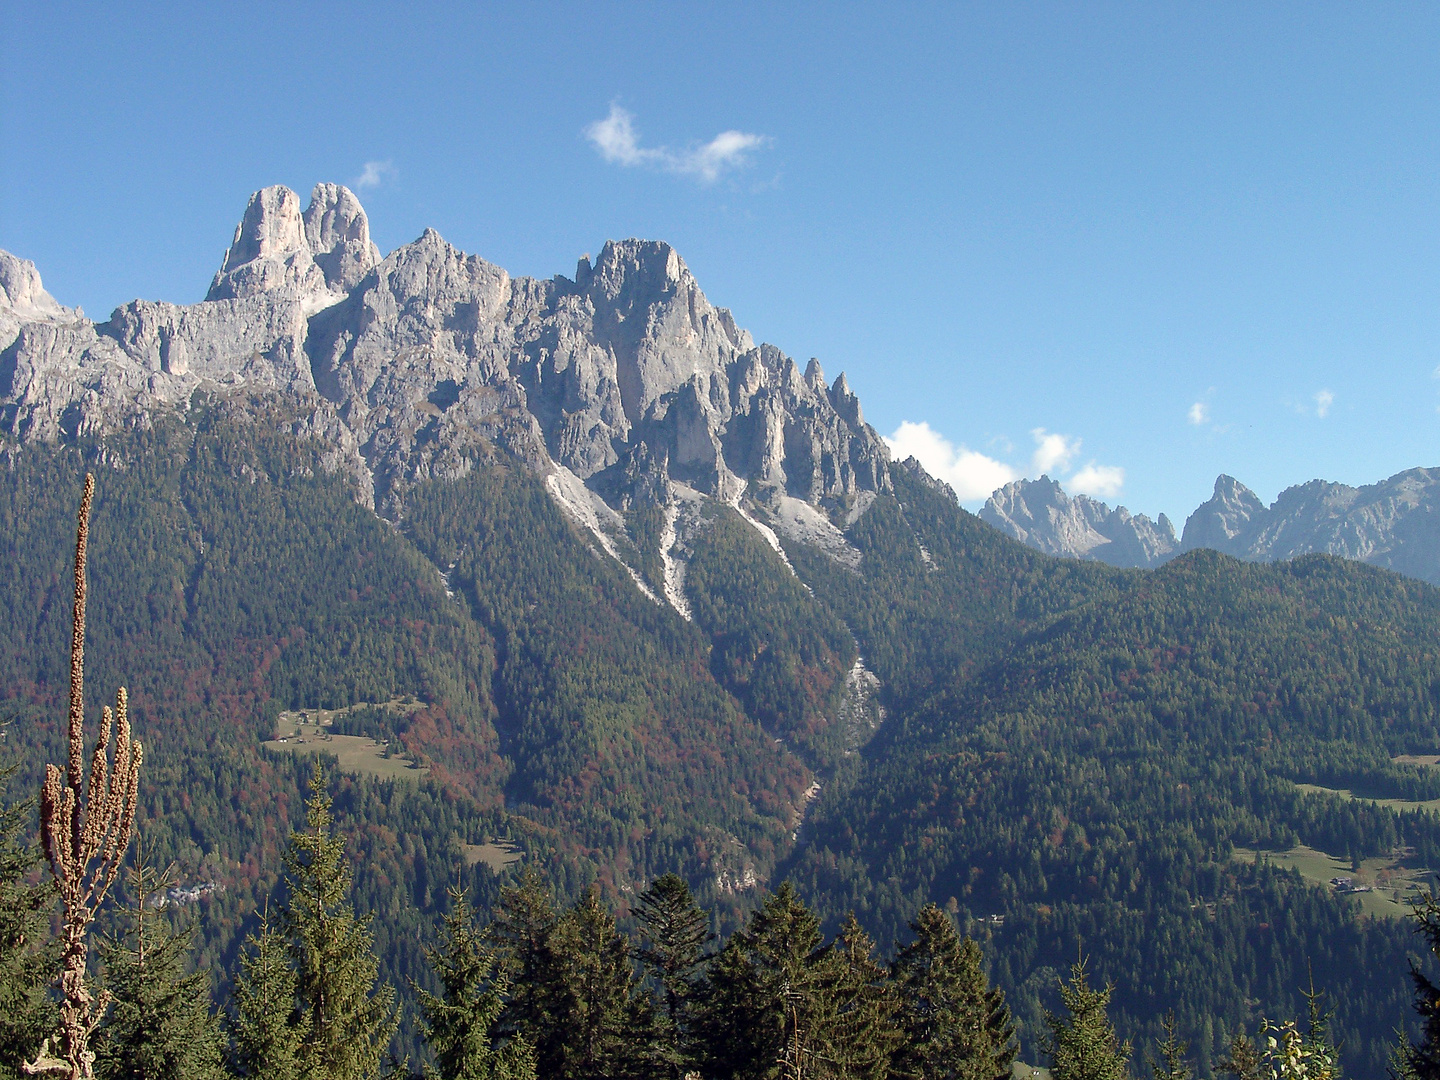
(1084, 1046)
(956, 1026)
(1401, 1065)
(345, 1021)
(1243, 1061)
(521, 934)
(859, 1034)
(26, 956)
(674, 932)
(759, 1010)
(1172, 1064)
(160, 1025)
(604, 1026)
(265, 1032)
(1421, 1061)
(460, 1026)
(1322, 1057)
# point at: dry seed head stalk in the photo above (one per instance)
(85, 843)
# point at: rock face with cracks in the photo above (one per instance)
(625, 375)
(1394, 523)
(1039, 513)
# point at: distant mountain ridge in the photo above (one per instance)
(1394, 523)
(1039, 513)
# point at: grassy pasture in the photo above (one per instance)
(307, 731)
(497, 855)
(1393, 882)
(1416, 759)
(1393, 804)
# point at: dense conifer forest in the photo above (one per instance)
(1072, 757)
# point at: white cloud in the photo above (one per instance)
(1323, 400)
(972, 474)
(727, 150)
(1199, 413)
(975, 476)
(1104, 481)
(1053, 452)
(618, 142)
(373, 173)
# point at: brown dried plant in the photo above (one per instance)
(85, 842)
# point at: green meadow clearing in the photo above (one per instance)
(1392, 882)
(497, 855)
(307, 731)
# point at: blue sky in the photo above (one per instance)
(1134, 245)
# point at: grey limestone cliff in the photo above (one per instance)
(624, 378)
(1039, 513)
(1394, 523)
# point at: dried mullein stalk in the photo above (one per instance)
(85, 840)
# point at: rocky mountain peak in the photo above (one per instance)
(22, 292)
(269, 250)
(643, 270)
(1392, 523)
(845, 402)
(338, 234)
(1226, 515)
(626, 383)
(327, 248)
(1040, 513)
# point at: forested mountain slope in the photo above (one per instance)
(656, 600)
(1088, 784)
(233, 578)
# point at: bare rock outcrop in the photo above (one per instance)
(1394, 523)
(23, 296)
(625, 376)
(628, 361)
(338, 235)
(1223, 522)
(1039, 513)
(269, 250)
(327, 249)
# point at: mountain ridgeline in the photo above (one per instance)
(634, 595)
(1393, 523)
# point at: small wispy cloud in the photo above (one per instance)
(976, 476)
(972, 474)
(618, 142)
(374, 173)
(1199, 414)
(1104, 481)
(1053, 452)
(1323, 400)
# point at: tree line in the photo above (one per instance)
(561, 992)
(539, 990)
